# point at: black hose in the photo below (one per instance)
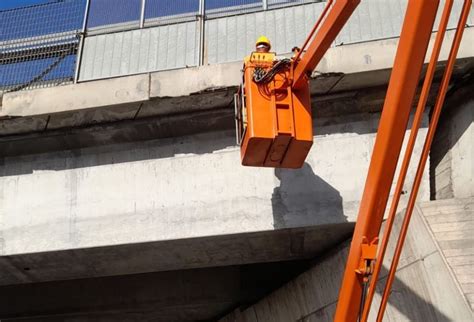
(262, 77)
(365, 288)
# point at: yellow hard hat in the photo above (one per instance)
(263, 40)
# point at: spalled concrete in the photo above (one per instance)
(118, 91)
(195, 114)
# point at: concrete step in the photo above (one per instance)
(452, 224)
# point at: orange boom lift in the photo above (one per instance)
(274, 129)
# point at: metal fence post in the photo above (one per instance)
(201, 19)
(81, 42)
(142, 14)
(265, 4)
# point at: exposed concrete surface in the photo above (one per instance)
(183, 82)
(424, 289)
(172, 119)
(167, 193)
(19, 125)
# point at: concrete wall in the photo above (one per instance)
(452, 156)
(177, 189)
(424, 289)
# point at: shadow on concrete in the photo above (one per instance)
(403, 299)
(448, 134)
(303, 196)
(182, 295)
(408, 303)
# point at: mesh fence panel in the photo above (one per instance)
(107, 16)
(219, 8)
(114, 13)
(38, 44)
(165, 11)
(279, 3)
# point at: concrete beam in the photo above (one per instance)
(206, 116)
(178, 203)
(171, 255)
(83, 96)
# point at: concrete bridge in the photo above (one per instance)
(123, 199)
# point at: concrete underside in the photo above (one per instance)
(426, 287)
(431, 284)
(185, 295)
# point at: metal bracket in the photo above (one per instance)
(369, 253)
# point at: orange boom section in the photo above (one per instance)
(274, 129)
(278, 129)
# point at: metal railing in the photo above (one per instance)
(75, 40)
(107, 16)
(43, 45)
(158, 35)
(39, 44)
(112, 31)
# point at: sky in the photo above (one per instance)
(10, 4)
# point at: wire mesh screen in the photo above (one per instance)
(106, 16)
(114, 13)
(164, 11)
(38, 44)
(218, 8)
(279, 3)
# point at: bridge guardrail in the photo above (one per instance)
(66, 41)
(39, 44)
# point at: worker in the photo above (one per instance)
(262, 45)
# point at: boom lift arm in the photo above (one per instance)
(414, 39)
(273, 112)
(314, 49)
